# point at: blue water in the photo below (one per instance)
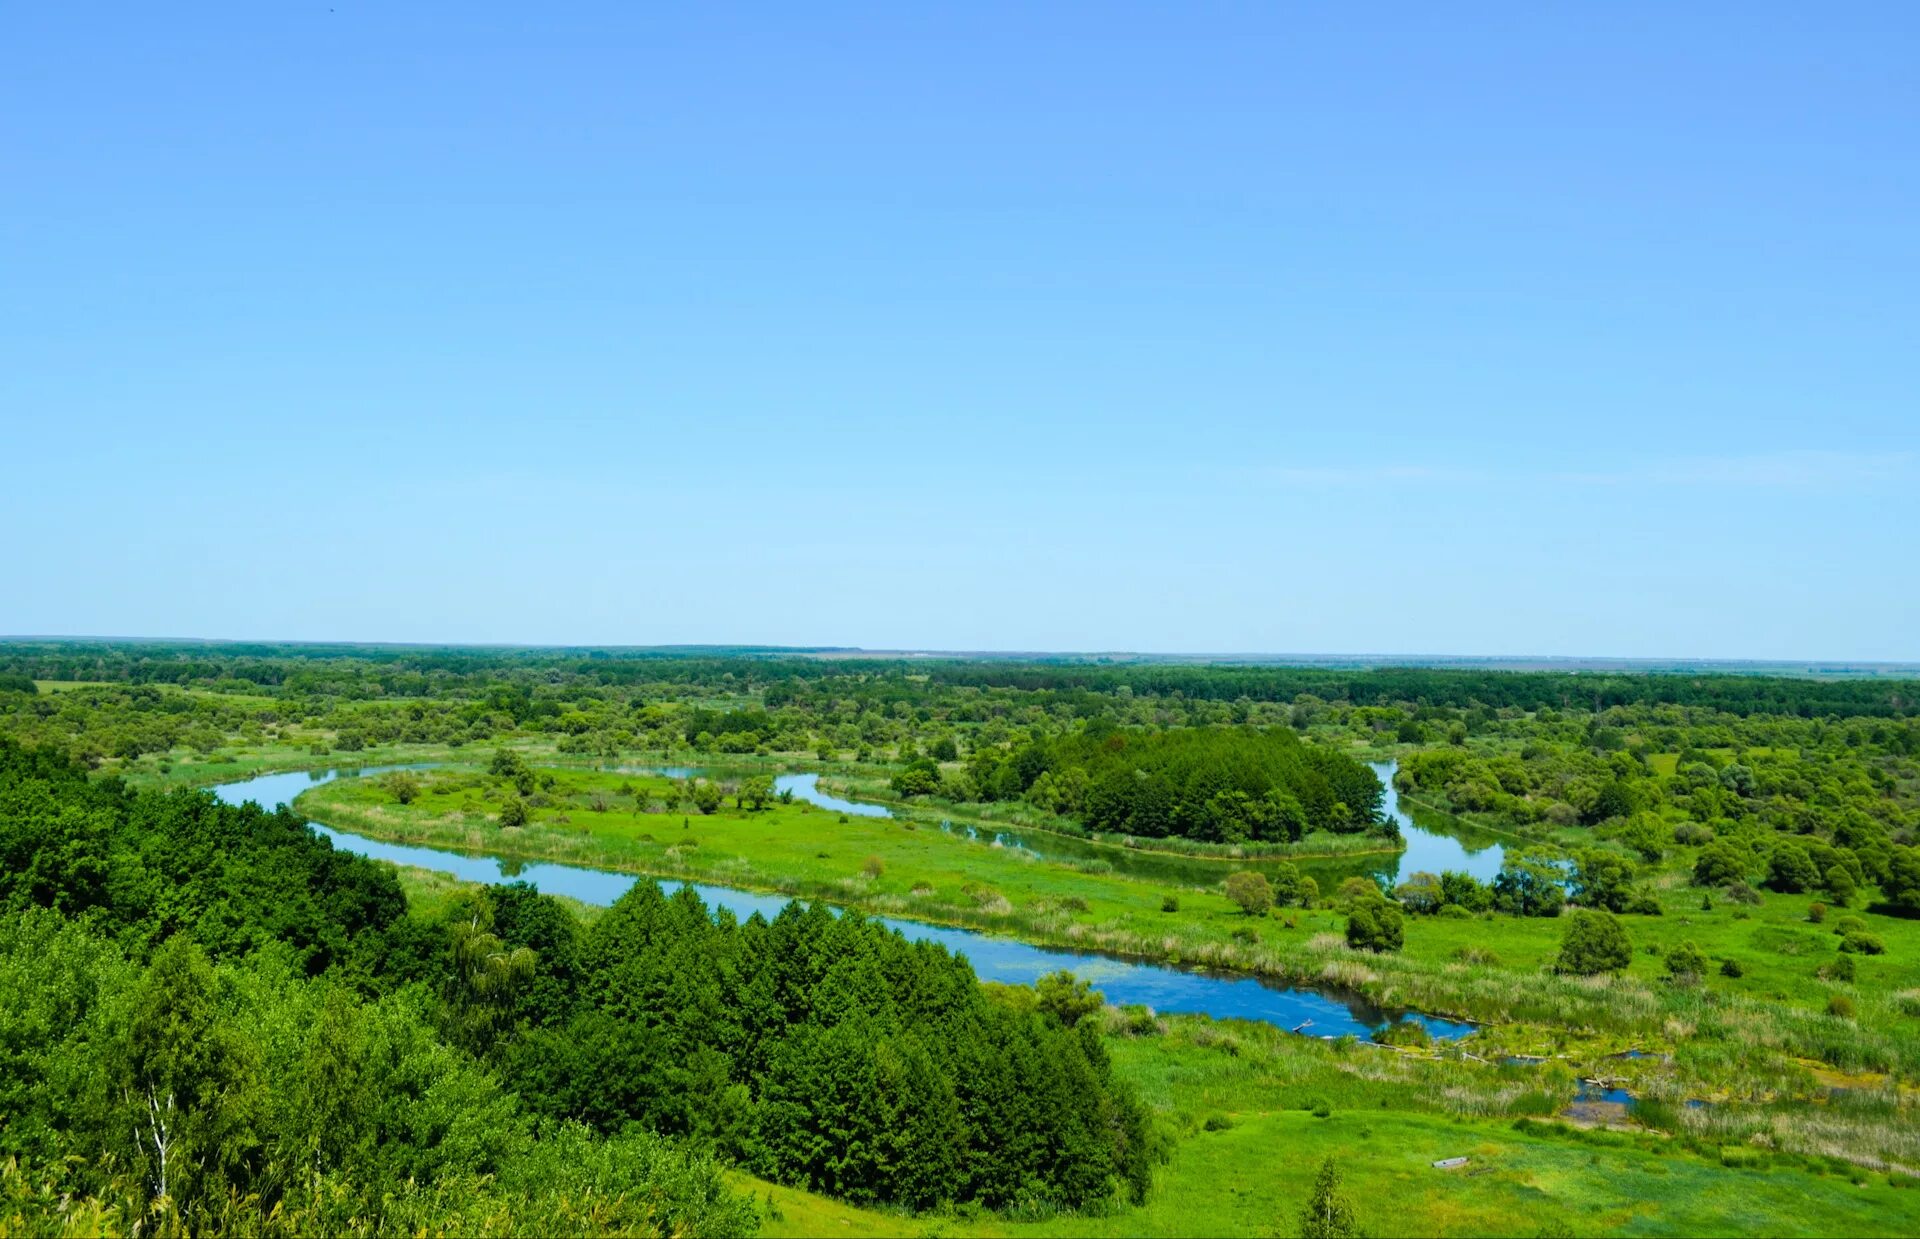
(807, 788)
(1126, 983)
(1428, 851)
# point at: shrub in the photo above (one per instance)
(402, 785)
(1816, 913)
(1731, 968)
(1740, 892)
(873, 866)
(1170, 903)
(1594, 943)
(1686, 962)
(1790, 869)
(513, 812)
(1720, 864)
(1862, 944)
(1840, 969)
(1251, 891)
(1375, 925)
(1217, 1122)
(1840, 1007)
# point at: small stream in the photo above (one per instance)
(1166, 989)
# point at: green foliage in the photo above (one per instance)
(1528, 886)
(920, 777)
(1594, 942)
(1790, 869)
(1686, 962)
(402, 785)
(756, 792)
(1214, 785)
(1375, 925)
(1328, 1214)
(1250, 892)
(1067, 998)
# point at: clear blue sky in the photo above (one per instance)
(1422, 328)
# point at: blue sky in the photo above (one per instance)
(1490, 329)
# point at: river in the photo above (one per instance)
(1165, 989)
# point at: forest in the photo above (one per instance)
(216, 1019)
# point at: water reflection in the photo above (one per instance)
(1166, 989)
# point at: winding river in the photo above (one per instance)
(1166, 989)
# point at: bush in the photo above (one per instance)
(1740, 892)
(1816, 913)
(1170, 903)
(1251, 891)
(873, 866)
(1595, 942)
(1840, 1007)
(1731, 968)
(1375, 925)
(1686, 962)
(402, 785)
(1862, 944)
(513, 812)
(1720, 864)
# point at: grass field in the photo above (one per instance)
(1250, 1139)
(1729, 1037)
(1248, 1111)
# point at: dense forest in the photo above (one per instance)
(1212, 785)
(210, 1009)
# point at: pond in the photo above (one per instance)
(1166, 989)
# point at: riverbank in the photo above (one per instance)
(1489, 969)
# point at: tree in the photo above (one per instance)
(1375, 925)
(1903, 878)
(1251, 891)
(484, 976)
(1840, 885)
(1464, 890)
(513, 812)
(707, 796)
(1066, 997)
(1602, 880)
(1720, 864)
(1527, 887)
(1790, 869)
(756, 792)
(920, 778)
(1421, 894)
(402, 785)
(1327, 1214)
(1595, 942)
(183, 1076)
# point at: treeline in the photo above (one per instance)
(1221, 785)
(210, 1016)
(1527, 690)
(788, 675)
